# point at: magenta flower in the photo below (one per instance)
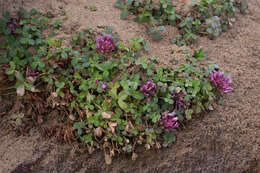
(222, 82)
(169, 120)
(179, 101)
(148, 88)
(105, 44)
(12, 25)
(31, 73)
(104, 86)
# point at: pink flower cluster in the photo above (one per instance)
(179, 100)
(12, 25)
(105, 44)
(169, 120)
(222, 82)
(103, 86)
(148, 88)
(32, 73)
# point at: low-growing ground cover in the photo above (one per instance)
(112, 98)
(224, 140)
(205, 17)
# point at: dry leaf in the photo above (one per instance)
(134, 156)
(147, 146)
(106, 115)
(98, 132)
(18, 118)
(112, 153)
(90, 150)
(40, 120)
(210, 108)
(31, 79)
(20, 90)
(127, 128)
(112, 126)
(214, 105)
(54, 94)
(131, 125)
(178, 89)
(158, 145)
(72, 117)
(108, 159)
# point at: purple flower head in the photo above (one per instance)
(179, 100)
(31, 73)
(12, 25)
(105, 44)
(104, 86)
(172, 92)
(169, 120)
(222, 82)
(148, 88)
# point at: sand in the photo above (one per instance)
(225, 140)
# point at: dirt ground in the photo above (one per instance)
(226, 140)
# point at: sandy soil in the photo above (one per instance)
(225, 140)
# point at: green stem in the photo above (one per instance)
(8, 88)
(8, 94)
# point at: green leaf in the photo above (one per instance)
(93, 8)
(200, 55)
(169, 137)
(146, 45)
(6, 15)
(125, 85)
(113, 93)
(31, 42)
(161, 28)
(157, 36)
(172, 17)
(19, 76)
(137, 95)
(64, 55)
(198, 109)
(10, 70)
(124, 14)
(243, 6)
(119, 4)
(168, 100)
(87, 138)
(77, 75)
(122, 95)
(33, 12)
(59, 84)
(188, 114)
(123, 105)
(79, 126)
(150, 30)
(156, 118)
(30, 87)
(129, 2)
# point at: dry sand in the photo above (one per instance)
(225, 140)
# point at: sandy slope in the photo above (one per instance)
(226, 140)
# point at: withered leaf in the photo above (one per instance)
(108, 159)
(98, 132)
(112, 126)
(20, 90)
(134, 156)
(106, 115)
